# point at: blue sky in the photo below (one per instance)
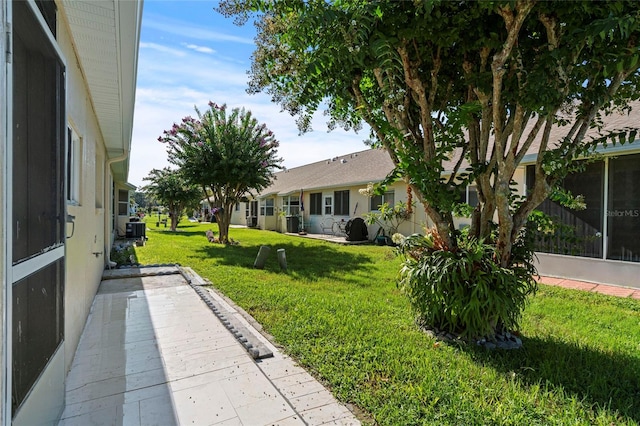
(189, 55)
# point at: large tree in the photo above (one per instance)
(457, 92)
(171, 189)
(228, 155)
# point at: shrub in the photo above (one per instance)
(465, 291)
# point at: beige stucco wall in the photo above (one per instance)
(358, 207)
(238, 216)
(85, 249)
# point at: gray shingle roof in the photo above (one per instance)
(358, 168)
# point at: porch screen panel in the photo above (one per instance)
(623, 212)
(38, 326)
(38, 200)
(39, 139)
(576, 232)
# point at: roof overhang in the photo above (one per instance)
(106, 37)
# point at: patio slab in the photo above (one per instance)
(154, 352)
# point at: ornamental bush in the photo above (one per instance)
(464, 290)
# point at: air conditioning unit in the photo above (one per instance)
(136, 230)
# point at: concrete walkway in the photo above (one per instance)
(156, 352)
(159, 349)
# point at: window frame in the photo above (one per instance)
(74, 167)
(315, 202)
(341, 202)
(383, 199)
(291, 205)
(267, 207)
(328, 205)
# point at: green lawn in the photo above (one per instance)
(338, 312)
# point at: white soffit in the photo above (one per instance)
(106, 35)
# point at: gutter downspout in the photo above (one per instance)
(107, 213)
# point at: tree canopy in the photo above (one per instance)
(228, 155)
(170, 188)
(456, 92)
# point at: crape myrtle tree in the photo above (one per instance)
(228, 155)
(171, 189)
(457, 92)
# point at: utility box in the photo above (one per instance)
(136, 230)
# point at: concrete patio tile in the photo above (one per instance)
(313, 400)
(203, 404)
(113, 386)
(276, 368)
(297, 390)
(329, 414)
(108, 415)
(158, 410)
(85, 407)
(193, 380)
(249, 388)
(266, 412)
(230, 422)
(290, 421)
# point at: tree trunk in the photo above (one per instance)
(175, 217)
(223, 217)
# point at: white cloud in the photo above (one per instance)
(162, 48)
(188, 29)
(201, 49)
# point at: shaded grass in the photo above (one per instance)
(338, 312)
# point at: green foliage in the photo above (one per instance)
(226, 154)
(455, 88)
(171, 188)
(389, 218)
(465, 290)
(458, 93)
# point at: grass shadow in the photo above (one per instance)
(310, 262)
(608, 380)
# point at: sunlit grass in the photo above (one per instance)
(338, 312)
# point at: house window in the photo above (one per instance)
(623, 210)
(38, 207)
(469, 195)
(99, 193)
(74, 164)
(266, 207)
(341, 203)
(237, 207)
(378, 200)
(316, 203)
(291, 205)
(123, 202)
(328, 205)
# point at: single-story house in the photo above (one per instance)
(605, 248)
(68, 82)
(315, 196)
